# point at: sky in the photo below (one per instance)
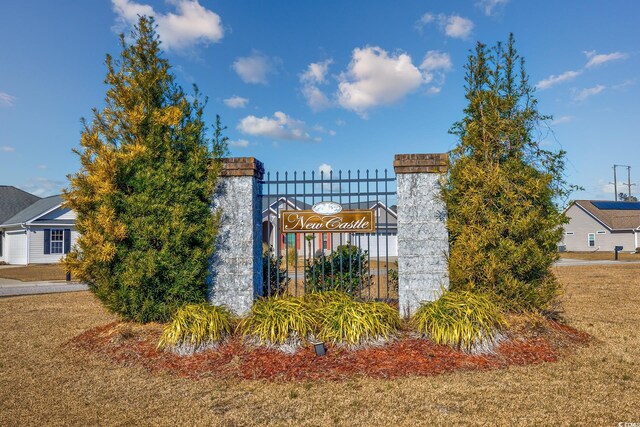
(331, 85)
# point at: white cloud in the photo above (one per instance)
(6, 99)
(316, 72)
(624, 84)
(236, 102)
(192, 24)
(596, 59)
(562, 119)
(583, 94)
(316, 99)
(44, 187)
(42, 166)
(554, 80)
(325, 169)
(375, 78)
(325, 172)
(341, 122)
(452, 25)
(255, 67)
(608, 188)
(239, 143)
(489, 7)
(280, 126)
(315, 75)
(434, 65)
(7, 149)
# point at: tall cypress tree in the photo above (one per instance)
(143, 192)
(502, 189)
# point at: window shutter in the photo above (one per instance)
(67, 240)
(47, 241)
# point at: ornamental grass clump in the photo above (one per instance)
(464, 320)
(196, 327)
(284, 323)
(355, 324)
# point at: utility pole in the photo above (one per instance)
(629, 184)
(615, 181)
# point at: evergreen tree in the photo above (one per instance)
(143, 192)
(502, 188)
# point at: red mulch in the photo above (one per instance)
(404, 357)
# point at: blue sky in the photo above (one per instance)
(325, 85)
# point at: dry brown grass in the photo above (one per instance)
(597, 256)
(34, 273)
(43, 382)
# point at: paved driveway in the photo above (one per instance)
(9, 287)
(569, 262)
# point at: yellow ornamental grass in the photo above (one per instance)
(355, 324)
(196, 327)
(464, 320)
(281, 322)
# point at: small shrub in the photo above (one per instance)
(463, 320)
(275, 279)
(345, 269)
(392, 275)
(280, 322)
(355, 324)
(292, 257)
(196, 327)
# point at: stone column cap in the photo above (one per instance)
(242, 166)
(421, 163)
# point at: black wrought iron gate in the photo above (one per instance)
(361, 264)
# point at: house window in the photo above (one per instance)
(291, 240)
(591, 238)
(57, 241)
(324, 240)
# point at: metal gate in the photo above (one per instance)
(364, 265)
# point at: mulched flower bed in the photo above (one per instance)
(135, 345)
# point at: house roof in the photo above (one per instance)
(13, 200)
(616, 216)
(34, 210)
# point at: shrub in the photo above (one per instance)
(355, 324)
(392, 274)
(280, 322)
(275, 279)
(345, 269)
(196, 327)
(292, 257)
(504, 189)
(143, 193)
(463, 320)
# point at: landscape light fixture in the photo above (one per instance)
(320, 349)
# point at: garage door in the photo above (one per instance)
(16, 247)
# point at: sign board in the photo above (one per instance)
(335, 220)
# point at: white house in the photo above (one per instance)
(41, 233)
(601, 226)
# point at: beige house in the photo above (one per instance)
(601, 226)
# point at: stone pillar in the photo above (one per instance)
(423, 239)
(236, 267)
